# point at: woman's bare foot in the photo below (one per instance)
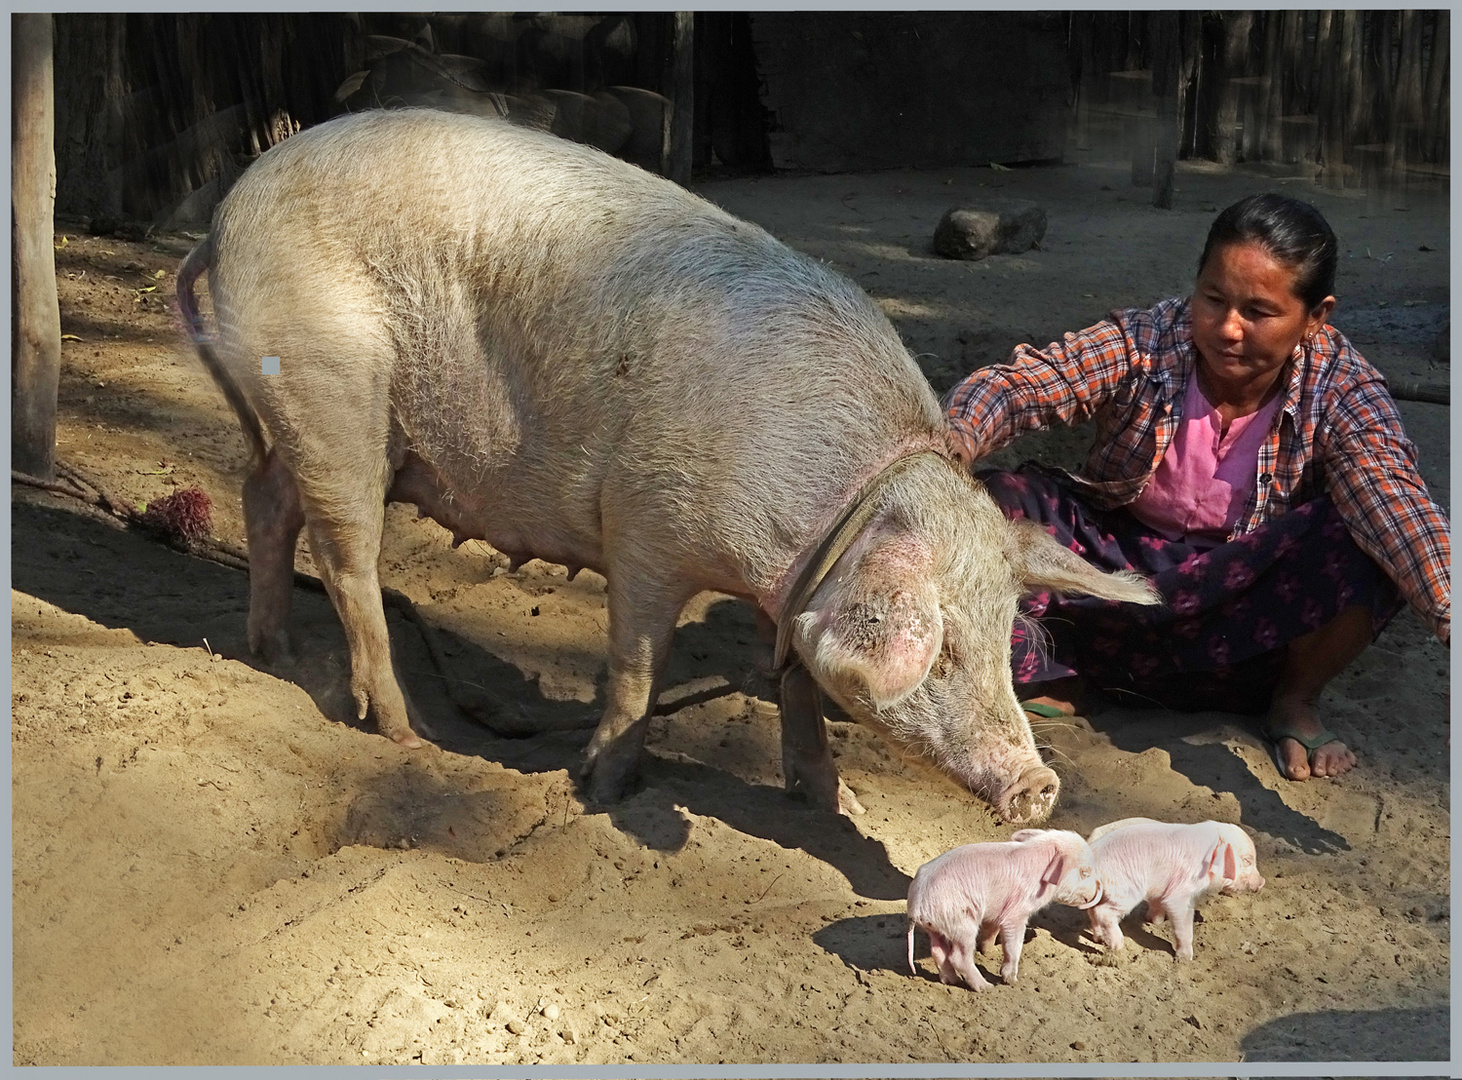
(1312, 661)
(1289, 717)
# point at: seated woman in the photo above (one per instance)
(1250, 461)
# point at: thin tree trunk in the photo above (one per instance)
(677, 145)
(35, 314)
(1436, 100)
(1332, 101)
(1272, 143)
(1352, 78)
(1380, 72)
(1236, 40)
(1166, 66)
(1083, 25)
(1291, 47)
(1403, 136)
(1189, 79)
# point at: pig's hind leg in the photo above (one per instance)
(342, 472)
(955, 961)
(272, 520)
(807, 761)
(346, 551)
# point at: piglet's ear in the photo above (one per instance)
(1027, 834)
(1054, 869)
(1039, 562)
(1223, 864)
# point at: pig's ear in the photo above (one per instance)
(1224, 864)
(1040, 562)
(882, 643)
(1054, 869)
(1027, 834)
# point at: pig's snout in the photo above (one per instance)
(1031, 798)
(1246, 883)
(1088, 897)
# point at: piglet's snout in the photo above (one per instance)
(1089, 898)
(1247, 882)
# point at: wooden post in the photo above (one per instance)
(1272, 138)
(1166, 62)
(1236, 26)
(1332, 100)
(1404, 122)
(35, 314)
(679, 130)
(1353, 79)
(1437, 98)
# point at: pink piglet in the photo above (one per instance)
(1173, 867)
(966, 896)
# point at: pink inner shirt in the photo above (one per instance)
(1205, 478)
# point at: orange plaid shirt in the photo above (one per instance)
(1337, 433)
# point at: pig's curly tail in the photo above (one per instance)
(198, 261)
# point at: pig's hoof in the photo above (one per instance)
(608, 781)
(273, 649)
(411, 735)
(848, 804)
(1031, 798)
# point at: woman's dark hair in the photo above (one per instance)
(1293, 232)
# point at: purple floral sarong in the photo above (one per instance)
(1218, 641)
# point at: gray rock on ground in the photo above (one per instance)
(1006, 227)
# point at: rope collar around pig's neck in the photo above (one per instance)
(837, 541)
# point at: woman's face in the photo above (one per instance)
(1247, 319)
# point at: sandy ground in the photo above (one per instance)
(213, 863)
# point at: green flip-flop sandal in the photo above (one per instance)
(1048, 712)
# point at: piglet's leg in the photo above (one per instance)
(939, 948)
(962, 959)
(1181, 916)
(1104, 926)
(1012, 937)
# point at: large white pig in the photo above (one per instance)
(574, 360)
(1171, 866)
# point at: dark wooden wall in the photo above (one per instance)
(157, 114)
(878, 89)
(1357, 94)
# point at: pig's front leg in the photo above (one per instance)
(1180, 914)
(1012, 937)
(642, 614)
(807, 762)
